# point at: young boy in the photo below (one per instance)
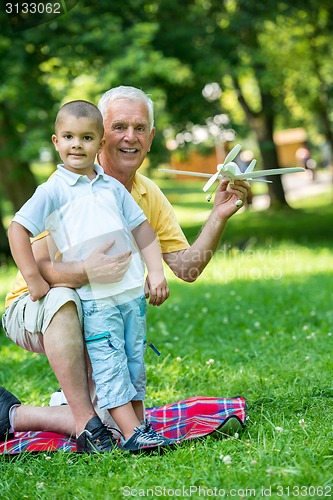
(83, 208)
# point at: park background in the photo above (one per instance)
(258, 322)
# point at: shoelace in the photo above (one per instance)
(149, 435)
(103, 436)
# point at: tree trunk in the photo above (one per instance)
(262, 125)
(323, 113)
(268, 152)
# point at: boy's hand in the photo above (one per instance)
(156, 288)
(38, 287)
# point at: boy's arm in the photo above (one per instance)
(150, 250)
(20, 246)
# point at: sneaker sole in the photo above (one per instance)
(7, 400)
(229, 427)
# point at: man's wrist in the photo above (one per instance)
(216, 220)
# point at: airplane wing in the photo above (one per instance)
(185, 172)
(244, 176)
(264, 173)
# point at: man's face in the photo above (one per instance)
(127, 137)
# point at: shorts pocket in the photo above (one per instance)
(113, 343)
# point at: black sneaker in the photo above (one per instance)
(231, 426)
(144, 438)
(7, 400)
(95, 438)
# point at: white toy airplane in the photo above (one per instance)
(230, 170)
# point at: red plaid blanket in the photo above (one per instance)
(187, 419)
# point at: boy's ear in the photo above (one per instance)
(55, 141)
(101, 145)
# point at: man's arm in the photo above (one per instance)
(188, 264)
(100, 267)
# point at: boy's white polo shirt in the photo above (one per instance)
(83, 214)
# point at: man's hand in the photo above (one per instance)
(103, 268)
(156, 288)
(227, 194)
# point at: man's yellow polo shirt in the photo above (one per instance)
(159, 213)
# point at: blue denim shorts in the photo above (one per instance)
(115, 336)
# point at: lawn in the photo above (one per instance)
(262, 315)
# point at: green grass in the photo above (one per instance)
(262, 310)
(265, 318)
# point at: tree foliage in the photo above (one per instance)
(272, 61)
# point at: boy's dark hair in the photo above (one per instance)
(81, 109)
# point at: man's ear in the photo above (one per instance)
(55, 141)
(152, 134)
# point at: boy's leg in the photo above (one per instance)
(134, 316)
(139, 410)
(104, 338)
(126, 419)
(104, 329)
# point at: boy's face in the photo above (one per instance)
(78, 141)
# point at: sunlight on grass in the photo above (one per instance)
(188, 217)
(264, 263)
(320, 200)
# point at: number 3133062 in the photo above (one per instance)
(33, 8)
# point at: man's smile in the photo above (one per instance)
(128, 150)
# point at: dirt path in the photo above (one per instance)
(300, 185)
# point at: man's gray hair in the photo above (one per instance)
(126, 92)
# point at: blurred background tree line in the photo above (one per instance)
(264, 65)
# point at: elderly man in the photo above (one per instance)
(53, 325)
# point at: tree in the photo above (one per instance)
(172, 50)
(306, 41)
(220, 42)
(74, 56)
(235, 44)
